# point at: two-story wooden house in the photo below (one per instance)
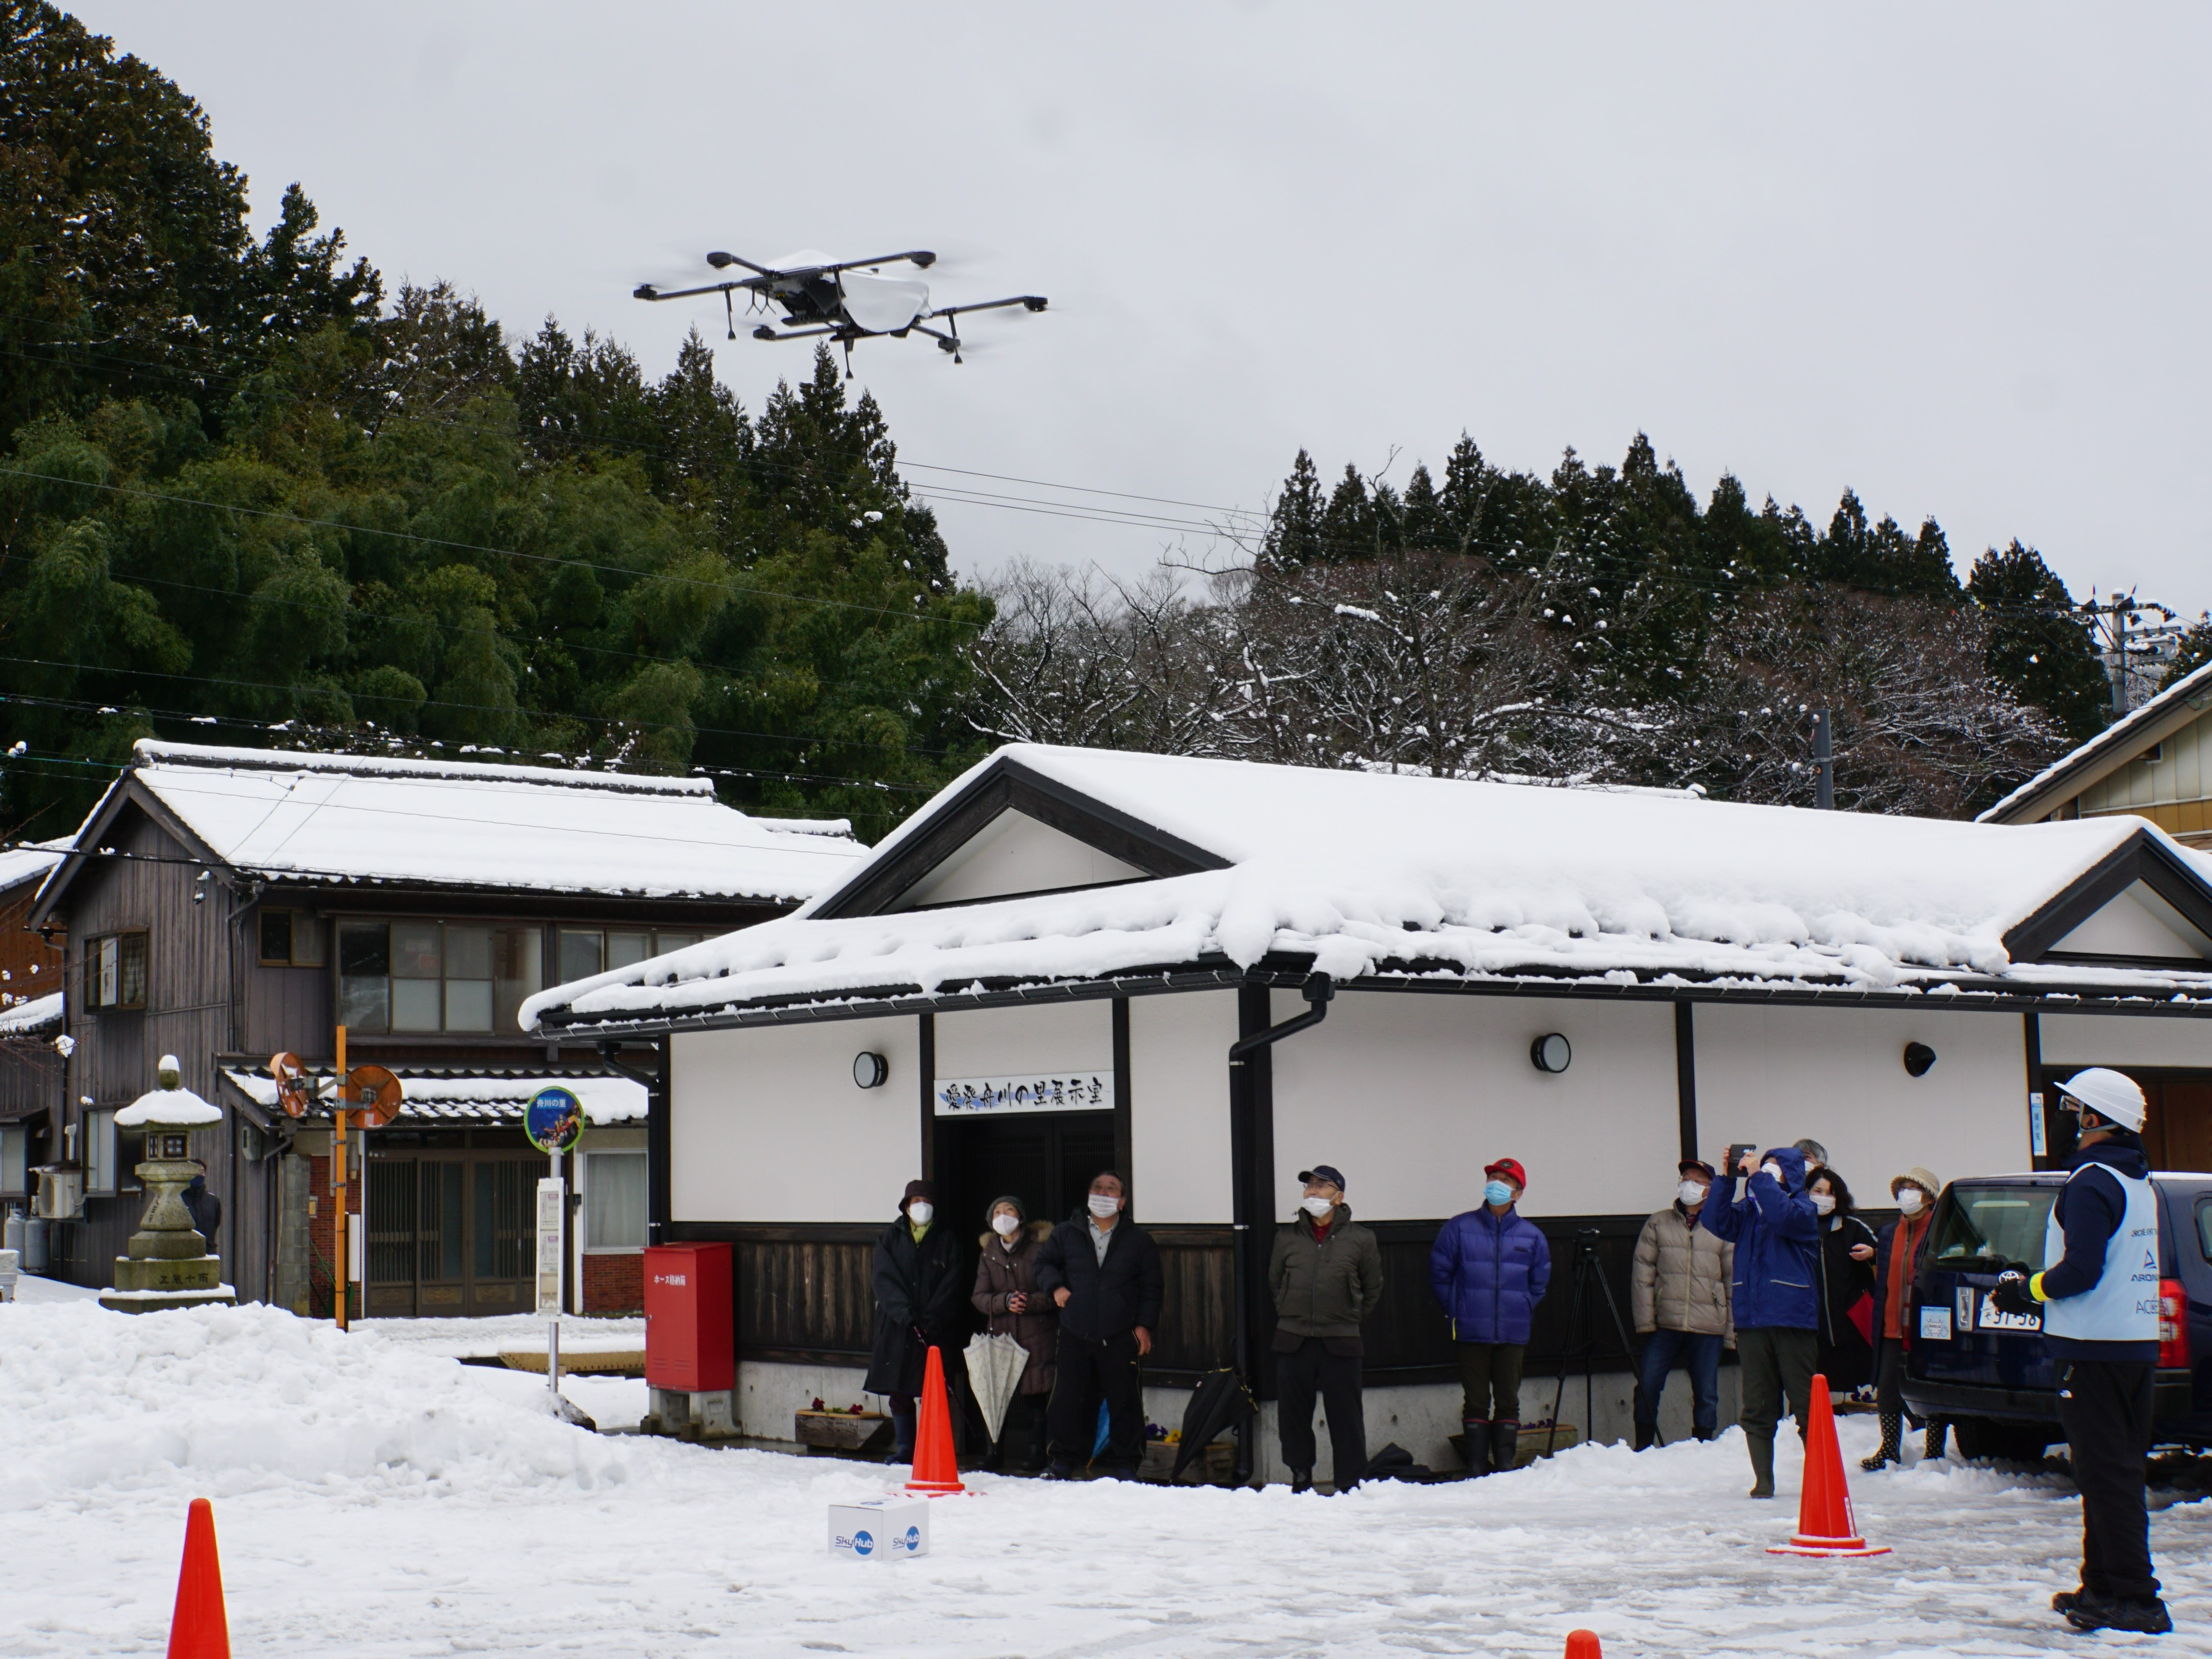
(224, 905)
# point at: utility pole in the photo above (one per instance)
(1823, 759)
(2119, 660)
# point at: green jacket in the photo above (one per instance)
(1324, 1287)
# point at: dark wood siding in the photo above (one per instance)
(804, 1296)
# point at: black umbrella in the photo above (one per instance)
(1220, 1401)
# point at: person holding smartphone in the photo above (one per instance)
(1772, 1291)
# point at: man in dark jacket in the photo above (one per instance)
(1490, 1267)
(1327, 1273)
(204, 1208)
(2099, 1304)
(919, 1289)
(1103, 1272)
(1772, 1292)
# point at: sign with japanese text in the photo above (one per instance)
(1043, 1091)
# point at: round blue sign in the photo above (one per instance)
(864, 1543)
(554, 1120)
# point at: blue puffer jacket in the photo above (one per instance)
(1490, 1274)
(1777, 1235)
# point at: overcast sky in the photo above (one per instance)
(1953, 257)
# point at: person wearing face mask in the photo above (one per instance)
(1103, 1272)
(1490, 1267)
(1678, 1293)
(1848, 1249)
(1326, 1272)
(1895, 1252)
(917, 1285)
(1014, 1304)
(1772, 1289)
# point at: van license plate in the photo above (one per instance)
(1934, 1324)
(1994, 1318)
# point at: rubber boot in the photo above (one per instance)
(1504, 1445)
(1477, 1432)
(1301, 1481)
(1646, 1434)
(1762, 1466)
(1893, 1443)
(1939, 1433)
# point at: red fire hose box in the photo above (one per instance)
(689, 1344)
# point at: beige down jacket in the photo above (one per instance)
(1680, 1280)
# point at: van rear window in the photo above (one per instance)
(1995, 1224)
(2204, 1228)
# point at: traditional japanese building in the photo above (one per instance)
(1043, 971)
(224, 905)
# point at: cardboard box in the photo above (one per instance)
(880, 1528)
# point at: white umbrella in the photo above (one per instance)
(995, 1364)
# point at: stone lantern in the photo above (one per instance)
(168, 1264)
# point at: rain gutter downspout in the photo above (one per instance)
(1248, 1191)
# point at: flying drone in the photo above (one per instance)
(843, 300)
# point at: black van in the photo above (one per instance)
(1988, 1373)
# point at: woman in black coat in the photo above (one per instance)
(921, 1293)
(1847, 1252)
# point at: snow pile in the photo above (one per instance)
(352, 817)
(234, 1399)
(1371, 874)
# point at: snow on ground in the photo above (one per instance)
(30, 1287)
(461, 1338)
(375, 1500)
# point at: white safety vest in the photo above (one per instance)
(2122, 1306)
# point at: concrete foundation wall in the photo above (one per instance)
(767, 1394)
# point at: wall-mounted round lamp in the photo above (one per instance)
(1918, 1057)
(870, 1070)
(1551, 1052)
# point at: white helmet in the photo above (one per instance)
(2110, 1094)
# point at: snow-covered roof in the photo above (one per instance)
(447, 1094)
(2115, 744)
(31, 1016)
(20, 865)
(1382, 875)
(361, 818)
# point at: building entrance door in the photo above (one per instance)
(450, 1232)
(1046, 1159)
(2178, 1127)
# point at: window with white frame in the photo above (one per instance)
(100, 1169)
(435, 977)
(15, 1161)
(614, 1201)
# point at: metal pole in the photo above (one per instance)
(553, 1323)
(1823, 759)
(2119, 660)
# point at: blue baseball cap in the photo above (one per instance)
(1327, 1172)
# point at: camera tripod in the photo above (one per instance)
(1587, 1271)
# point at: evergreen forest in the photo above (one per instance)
(252, 494)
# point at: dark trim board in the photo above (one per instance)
(1686, 1076)
(1007, 785)
(2140, 858)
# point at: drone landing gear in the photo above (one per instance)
(949, 343)
(730, 310)
(848, 359)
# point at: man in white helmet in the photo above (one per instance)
(2100, 1307)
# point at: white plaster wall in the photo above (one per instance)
(2116, 1040)
(1179, 1106)
(1773, 1075)
(1411, 1095)
(1044, 1036)
(766, 1124)
(1015, 854)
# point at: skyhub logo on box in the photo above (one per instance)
(864, 1543)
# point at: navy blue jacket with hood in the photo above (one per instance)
(1490, 1274)
(1777, 1234)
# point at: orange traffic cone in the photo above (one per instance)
(1826, 1524)
(198, 1629)
(1583, 1645)
(936, 1467)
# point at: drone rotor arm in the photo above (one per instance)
(648, 291)
(1032, 301)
